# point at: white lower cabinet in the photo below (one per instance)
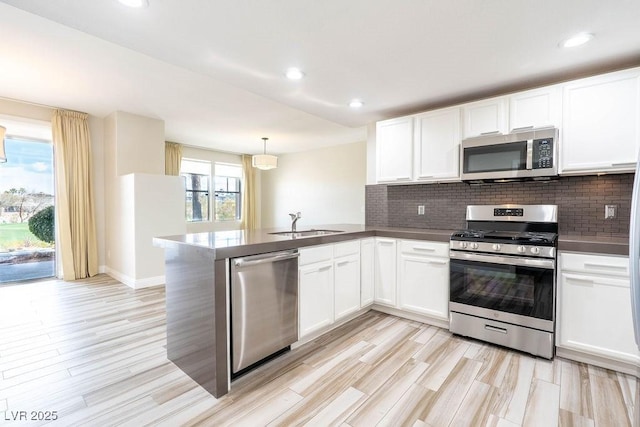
(315, 297)
(329, 285)
(385, 271)
(346, 284)
(423, 278)
(594, 309)
(367, 271)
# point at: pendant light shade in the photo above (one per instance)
(264, 161)
(3, 154)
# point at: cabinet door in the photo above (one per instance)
(601, 123)
(347, 285)
(486, 116)
(423, 285)
(367, 259)
(385, 272)
(595, 316)
(394, 150)
(536, 108)
(315, 297)
(437, 145)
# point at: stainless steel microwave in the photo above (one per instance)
(530, 154)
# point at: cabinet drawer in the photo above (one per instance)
(595, 264)
(419, 247)
(315, 254)
(346, 248)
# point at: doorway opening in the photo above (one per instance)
(27, 226)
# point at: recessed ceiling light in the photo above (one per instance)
(356, 103)
(135, 3)
(294, 74)
(577, 40)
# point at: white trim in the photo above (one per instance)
(601, 361)
(444, 324)
(135, 283)
(102, 269)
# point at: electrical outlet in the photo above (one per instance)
(610, 211)
(421, 210)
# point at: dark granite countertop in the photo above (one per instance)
(595, 244)
(235, 243)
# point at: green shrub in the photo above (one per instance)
(41, 225)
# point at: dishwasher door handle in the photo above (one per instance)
(247, 262)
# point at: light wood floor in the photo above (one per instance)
(93, 351)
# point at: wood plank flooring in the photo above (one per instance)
(93, 351)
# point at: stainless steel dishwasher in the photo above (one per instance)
(264, 306)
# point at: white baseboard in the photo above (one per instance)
(102, 269)
(135, 283)
(602, 362)
(444, 324)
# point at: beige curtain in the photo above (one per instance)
(248, 214)
(172, 158)
(75, 211)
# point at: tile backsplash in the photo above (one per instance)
(581, 203)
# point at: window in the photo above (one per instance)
(196, 174)
(227, 200)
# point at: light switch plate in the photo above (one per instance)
(421, 210)
(610, 211)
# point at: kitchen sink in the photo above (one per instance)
(306, 233)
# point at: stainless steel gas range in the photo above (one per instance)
(502, 277)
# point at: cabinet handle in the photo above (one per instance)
(327, 267)
(423, 248)
(384, 242)
(342, 263)
(605, 266)
(579, 279)
(437, 262)
(521, 128)
(624, 164)
(493, 132)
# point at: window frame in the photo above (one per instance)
(238, 193)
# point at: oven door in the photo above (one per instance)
(511, 289)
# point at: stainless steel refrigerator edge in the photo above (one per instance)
(264, 306)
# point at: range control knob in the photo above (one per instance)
(521, 249)
(474, 245)
(463, 245)
(535, 250)
(496, 247)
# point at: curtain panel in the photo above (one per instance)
(75, 209)
(172, 158)
(249, 216)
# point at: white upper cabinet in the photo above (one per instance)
(601, 123)
(536, 108)
(486, 116)
(437, 145)
(394, 150)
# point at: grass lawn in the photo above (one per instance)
(15, 235)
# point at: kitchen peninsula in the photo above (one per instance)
(197, 269)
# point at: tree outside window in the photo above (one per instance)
(196, 175)
(227, 192)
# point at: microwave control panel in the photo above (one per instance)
(543, 153)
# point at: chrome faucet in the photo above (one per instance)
(294, 218)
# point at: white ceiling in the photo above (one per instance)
(213, 69)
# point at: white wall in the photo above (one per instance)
(326, 185)
(371, 153)
(139, 206)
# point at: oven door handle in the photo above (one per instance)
(498, 259)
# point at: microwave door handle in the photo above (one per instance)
(529, 154)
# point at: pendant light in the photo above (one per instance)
(3, 154)
(264, 161)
